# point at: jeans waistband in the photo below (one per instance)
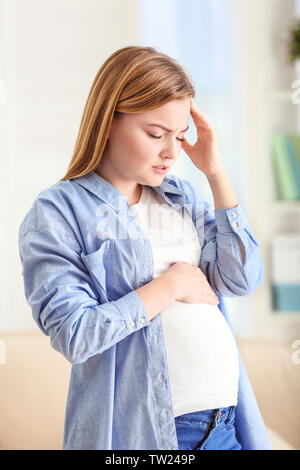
(217, 414)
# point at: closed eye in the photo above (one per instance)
(160, 136)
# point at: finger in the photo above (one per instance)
(200, 115)
(212, 302)
(196, 110)
(211, 296)
(200, 119)
(214, 296)
(187, 147)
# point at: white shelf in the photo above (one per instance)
(288, 313)
(280, 209)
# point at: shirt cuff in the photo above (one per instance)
(133, 311)
(231, 220)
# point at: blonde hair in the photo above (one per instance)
(131, 80)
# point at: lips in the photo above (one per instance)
(161, 166)
(160, 170)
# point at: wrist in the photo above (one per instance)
(216, 176)
(171, 284)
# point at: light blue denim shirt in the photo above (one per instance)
(83, 257)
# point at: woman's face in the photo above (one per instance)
(135, 144)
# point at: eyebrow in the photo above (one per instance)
(165, 128)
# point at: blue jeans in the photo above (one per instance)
(207, 430)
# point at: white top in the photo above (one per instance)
(201, 352)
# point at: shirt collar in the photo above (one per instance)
(110, 194)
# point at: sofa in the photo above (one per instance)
(34, 383)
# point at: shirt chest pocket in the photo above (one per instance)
(113, 268)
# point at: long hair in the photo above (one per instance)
(131, 80)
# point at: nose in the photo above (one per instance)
(169, 160)
(170, 152)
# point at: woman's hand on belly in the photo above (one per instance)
(191, 284)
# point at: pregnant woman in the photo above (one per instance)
(125, 268)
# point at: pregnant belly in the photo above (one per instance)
(199, 341)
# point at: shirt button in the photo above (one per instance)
(234, 214)
(164, 412)
(161, 377)
(132, 324)
(141, 319)
(236, 224)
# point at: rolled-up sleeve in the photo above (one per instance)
(228, 273)
(220, 233)
(64, 302)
